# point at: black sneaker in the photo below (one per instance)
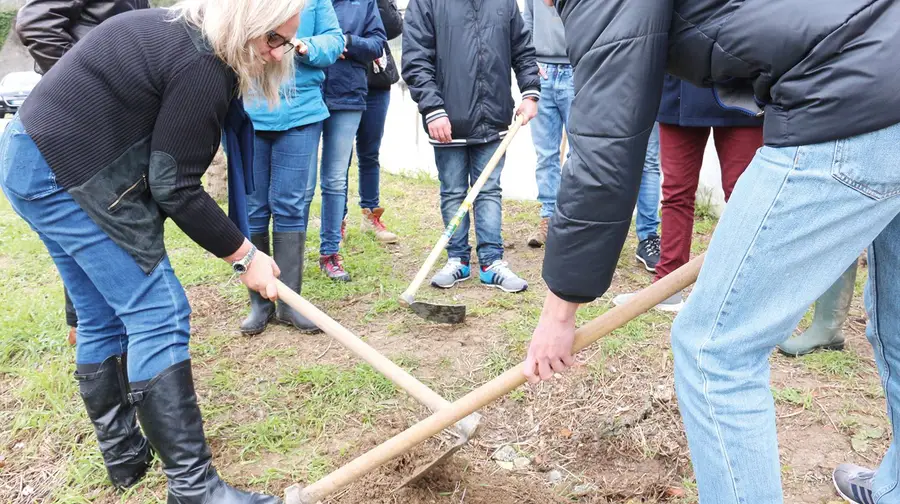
(854, 483)
(648, 253)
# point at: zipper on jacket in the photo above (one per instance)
(133, 187)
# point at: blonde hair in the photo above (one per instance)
(231, 25)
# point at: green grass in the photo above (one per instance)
(793, 396)
(7, 16)
(840, 364)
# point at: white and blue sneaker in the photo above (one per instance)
(500, 276)
(854, 483)
(451, 274)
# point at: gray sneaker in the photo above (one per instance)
(673, 304)
(451, 274)
(854, 483)
(500, 276)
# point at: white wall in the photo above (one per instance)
(405, 149)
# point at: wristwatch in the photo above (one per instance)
(243, 264)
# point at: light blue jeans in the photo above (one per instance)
(647, 222)
(557, 92)
(797, 217)
(338, 133)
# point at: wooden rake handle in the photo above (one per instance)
(492, 390)
(409, 295)
(382, 364)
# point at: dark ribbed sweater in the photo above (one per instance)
(136, 76)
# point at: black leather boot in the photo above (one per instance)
(167, 408)
(125, 450)
(289, 249)
(261, 309)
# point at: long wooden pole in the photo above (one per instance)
(492, 390)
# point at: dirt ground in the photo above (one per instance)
(607, 432)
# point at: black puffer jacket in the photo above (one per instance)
(821, 70)
(49, 28)
(457, 56)
(383, 73)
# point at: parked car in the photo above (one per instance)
(14, 88)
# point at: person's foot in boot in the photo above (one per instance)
(500, 276)
(103, 388)
(454, 272)
(167, 407)
(290, 252)
(371, 223)
(539, 237)
(830, 314)
(854, 483)
(261, 309)
(648, 252)
(333, 267)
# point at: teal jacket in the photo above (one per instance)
(320, 31)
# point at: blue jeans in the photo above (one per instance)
(797, 217)
(557, 92)
(368, 145)
(281, 164)
(338, 132)
(112, 294)
(459, 168)
(647, 221)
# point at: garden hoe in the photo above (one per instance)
(490, 391)
(464, 430)
(453, 314)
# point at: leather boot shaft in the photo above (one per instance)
(289, 251)
(126, 453)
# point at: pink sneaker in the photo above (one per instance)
(333, 267)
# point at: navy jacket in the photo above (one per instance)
(346, 81)
(684, 104)
(457, 56)
(821, 70)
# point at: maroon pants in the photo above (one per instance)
(681, 155)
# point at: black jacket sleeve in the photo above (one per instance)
(390, 16)
(185, 139)
(618, 49)
(43, 27)
(524, 58)
(419, 59)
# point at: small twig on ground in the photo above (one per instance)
(326, 350)
(827, 415)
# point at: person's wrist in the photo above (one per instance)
(559, 309)
(242, 251)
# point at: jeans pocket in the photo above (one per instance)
(23, 170)
(869, 163)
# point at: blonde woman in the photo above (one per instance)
(112, 142)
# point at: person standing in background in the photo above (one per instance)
(286, 149)
(557, 92)
(687, 115)
(345, 91)
(463, 91)
(647, 221)
(48, 29)
(382, 74)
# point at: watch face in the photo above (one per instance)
(240, 268)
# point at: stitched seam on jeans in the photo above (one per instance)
(876, 334)
(710, 336)
(172, 297)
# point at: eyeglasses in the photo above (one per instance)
(275, 40)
